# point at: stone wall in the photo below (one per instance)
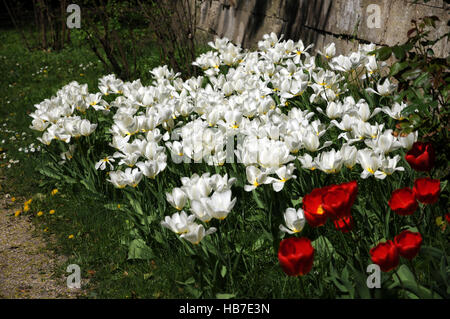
(345, 22)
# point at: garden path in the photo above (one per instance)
(27, 266)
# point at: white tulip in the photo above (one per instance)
(220, 204)
(196, 233)
(294, 220)
(177, 198)
(179, 222)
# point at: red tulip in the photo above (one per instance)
(313, 208)
(352, 189)
(447, 217)
(403, 201)
(344, 224)
(421, 156)
(336, 203)
(296, 256)
(408, 244)
(385, 255)
(427, 190)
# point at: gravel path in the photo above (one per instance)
(26, 265)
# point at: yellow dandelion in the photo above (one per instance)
(13, 199)
(440, 221)
(26, 208)
(54, 192)
(71, 236)
(51, 212)
(45, 229)
(40, 213)
(28, 202)
(17, 213)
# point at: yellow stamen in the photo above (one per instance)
(320, 210)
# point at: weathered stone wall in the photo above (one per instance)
(345, 22)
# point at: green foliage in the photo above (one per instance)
(424, 83)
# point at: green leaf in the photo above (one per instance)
(431, 251)
(411, 75)
(88, 186)
(408, 282)
(135, 204)
(138, 249)
(399, 52)
(397, 67)
(257, 200)
(384, 53)
(70, 180)
(258, 243)
(420, 81)
(296, 202)
(410, 228)
(147, 276)
(405, 274)
(225, 296)
(188, 281)
(323, 246)
(223, 271)
(47, 172)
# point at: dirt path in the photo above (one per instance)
(26, 265)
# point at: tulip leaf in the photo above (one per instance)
(407, 281)
(135, 204)
(431, 251)
(324, 247)
(138, 249)
(258, 201)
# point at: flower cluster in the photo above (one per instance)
(404, 201)
(57, 119)
(334, 202)
(387, 255)
(276, 102)
(207, 197)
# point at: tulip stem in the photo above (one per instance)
(284, 286)
(302, 286)
(413, 269)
